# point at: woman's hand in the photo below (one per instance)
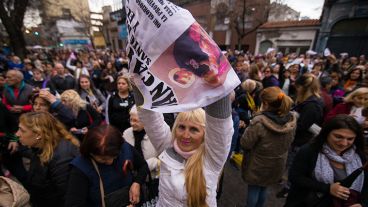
(339, 191)
(134, 193)
(13, 147)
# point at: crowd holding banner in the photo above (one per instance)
(155, 124)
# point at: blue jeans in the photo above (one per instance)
(234, 140)
(256, 196)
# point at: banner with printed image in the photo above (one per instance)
(173, 61)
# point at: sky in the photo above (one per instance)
(310, 8)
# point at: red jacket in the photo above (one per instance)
(341, 108)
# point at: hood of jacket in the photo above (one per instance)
(278, 124)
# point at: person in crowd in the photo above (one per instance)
(266, 142)
(309, 106)
(353, 79)
(85, 116)
(53, 148)
(78, 68)
(44, 101)
(276, 69)
(107, 162)
(269, 79)
(326, 83)
(62, 81)
(346, 65)
(286, 84)
(137, 137)
(195, 152)
(27, 70)
(319, 167)
(255, 73)
(15, 63)
(308, 102)
(9, 147)
(96, 74)
(353, 105)
(108, 77)
(37, 80)
(337, 89)
(17, 93)
(2, 84)
(89, 93)
(120, 103)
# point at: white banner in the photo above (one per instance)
(173, 61)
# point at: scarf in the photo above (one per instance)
(138, 138)
(250, 102)
(349, 83)
(185, 155)
(324, 172)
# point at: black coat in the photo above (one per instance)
(47, 183)
(118, 111)
(303, 181)
(310, 112)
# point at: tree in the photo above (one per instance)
(248, 15)
(12, 14)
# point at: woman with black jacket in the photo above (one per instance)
(310, 109)
(85, 116)
(53, 148)
(319, 167)
(119, 104)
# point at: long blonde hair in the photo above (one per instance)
(309, 86)
(195, 182)
(73, 100)
(50, 130)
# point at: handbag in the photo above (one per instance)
(118, 198)
(150, 192)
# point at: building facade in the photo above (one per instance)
(66, 23)
(344, 26)
(287, 36)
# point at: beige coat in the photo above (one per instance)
(13, 194)
(266, 145)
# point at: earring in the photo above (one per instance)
(38, 138)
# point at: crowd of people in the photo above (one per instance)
(298, 119)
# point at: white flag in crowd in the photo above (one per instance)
(174, 63)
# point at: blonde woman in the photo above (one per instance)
(54, 147)
(85, 116)
(353, 105)
(192, 154)
(266, 142)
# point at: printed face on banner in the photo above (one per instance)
(193, 61)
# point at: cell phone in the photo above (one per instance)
(79, 131)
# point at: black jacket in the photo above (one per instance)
(47, 183)
(61, 84)
(118, 111)
(303, 181)
(310, 112)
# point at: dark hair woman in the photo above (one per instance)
(88, 92)
(319, 167)
(107, 157)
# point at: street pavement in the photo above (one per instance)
(235, 190)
